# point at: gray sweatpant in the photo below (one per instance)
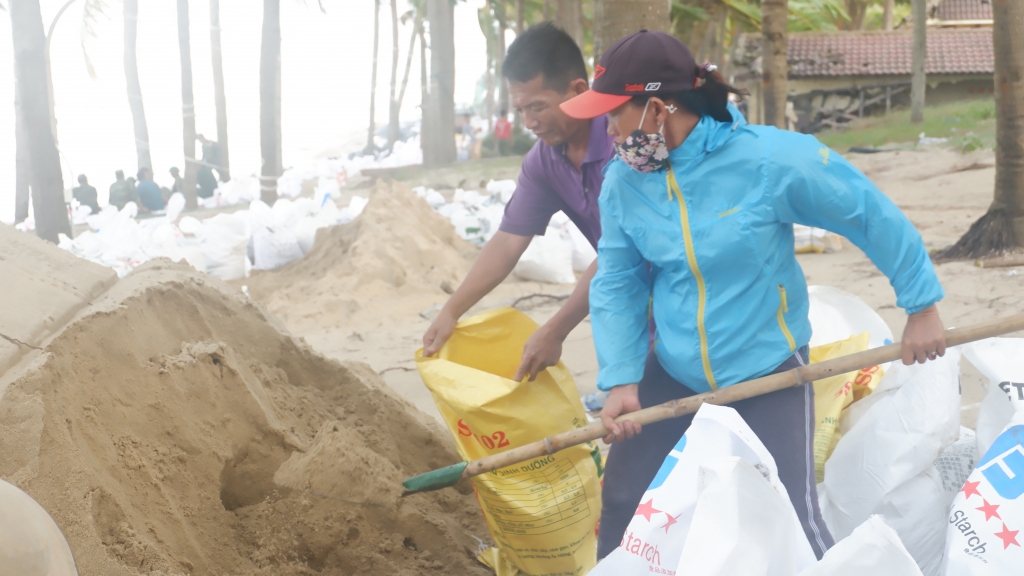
(783, 421)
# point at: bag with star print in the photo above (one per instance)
(983, 536)
(718, 463)
(998, 359)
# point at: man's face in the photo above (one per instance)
(538, 106)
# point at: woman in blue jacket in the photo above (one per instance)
(697, 215)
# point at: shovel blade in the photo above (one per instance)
(435, 479)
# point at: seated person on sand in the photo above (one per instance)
(149, 193)
(122, 191)
(85, 194)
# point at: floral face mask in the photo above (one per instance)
(644, 152)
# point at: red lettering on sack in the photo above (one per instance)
(638, 547)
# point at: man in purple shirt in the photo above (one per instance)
(544, 67)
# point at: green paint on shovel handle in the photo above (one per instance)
(435, 479)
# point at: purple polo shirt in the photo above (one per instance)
(548, 182)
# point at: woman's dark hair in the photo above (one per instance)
(709, 99)
(544, 49)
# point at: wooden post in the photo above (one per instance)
(888, 100)
(860, 109)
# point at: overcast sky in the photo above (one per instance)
(325, 61)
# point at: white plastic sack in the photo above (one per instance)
(225, 242)
(290, 183)
(836, 315)
(873, 549)
(353, 210)
(983, 530)
(433, 197)
(654, 540)
(327, 187)
(503, 188)
(547, 259)
(238, 189)
(274, 247)
(175, 205)
(741, 525)
(885, 463)
(1001, 360)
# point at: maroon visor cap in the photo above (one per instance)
(644, 63)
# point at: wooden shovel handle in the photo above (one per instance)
(741, 391)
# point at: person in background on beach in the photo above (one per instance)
(563, 171)
(211, 161)
(148, 192)
(121, 191)
(179, 184)
(85, 194)
(503, 134)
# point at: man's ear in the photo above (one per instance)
(578, 86)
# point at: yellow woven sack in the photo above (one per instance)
(541, 513)
(832, 395)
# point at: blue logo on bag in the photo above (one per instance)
(1003, 464)
(667, 466)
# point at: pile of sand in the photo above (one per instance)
(397, 250)
(162, 424)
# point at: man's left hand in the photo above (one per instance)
(542, 350)
(924, 337)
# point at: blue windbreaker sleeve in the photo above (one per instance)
(619, 297)
(812, 185)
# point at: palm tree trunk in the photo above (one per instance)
(499, 10)
(188, 109)
(441, 147)
(1008, 41)
(485, 17)
(857, 10)
(220, 101)
(47, 182)
(270, 100)
(920, 52)
(1002, 228)
(774, 18)
(373, 76)
(408, 59)
(887, 8)
(393, 95)
(614, 19)
(426, 125)
(22, 167)
(569, 17)
(131, 75)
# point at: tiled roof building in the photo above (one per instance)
(950, 51)
(962, 10)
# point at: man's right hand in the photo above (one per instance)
(439, 332)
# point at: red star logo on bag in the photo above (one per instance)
(598, 71)
(671, 520)
(990, 510)
(647, 510)
(1008, 537)
(970, 488)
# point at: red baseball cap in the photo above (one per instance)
(644, 63)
